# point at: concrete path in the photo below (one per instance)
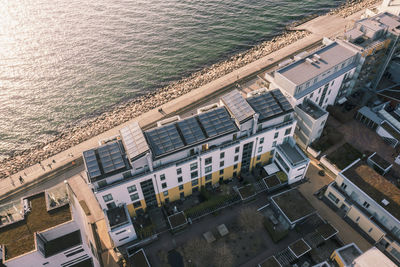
(346, 232)
(320, 27)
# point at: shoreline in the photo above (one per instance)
(122, 112)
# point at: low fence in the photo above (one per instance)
(313, 152)
(324, 161)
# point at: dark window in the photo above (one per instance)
(221, 164)
(193, 166)
(180, 179)
(165, 193)
(222, 155)
(195, 182)
(131, 188)
(164, 185)
(178, 171)
(182, 195)
(194, 174)
(208, 177)
(261, 140)
(235, 166)
(276, 135)
(236, 158)
(181, 187)
(221, 171)
(237, 149)
(166, 200)
(195, 189)
(107, 197)
(259, 149)
(134, 197)
(366, 204)
(162, 177)
(208, 169)
(258, 157)
(208, 160)
(137, 204)
(288, 130)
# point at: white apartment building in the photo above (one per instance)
(180, 156)
(371, 202)
(45, 230)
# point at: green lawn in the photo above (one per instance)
(344, 156)
(212, 202)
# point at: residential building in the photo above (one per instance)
(45, 230)
(371, 203)
(344, 256)
(141, 169)
(376, 40)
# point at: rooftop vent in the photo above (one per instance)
(309, 61)
(168, 121)
(207, 108)
(385, 202)
(316, 56)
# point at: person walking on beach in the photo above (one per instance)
(21, 180)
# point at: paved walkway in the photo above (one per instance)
(346, 233)
(37, 172)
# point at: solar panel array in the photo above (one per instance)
(191, 130)
(111, 157)
(164, 139)
(91, 163)
(216, 122)
(134, 140)
(238, 106)
(282, 100)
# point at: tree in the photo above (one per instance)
(223, 257)
(250, 220)
(198, 251)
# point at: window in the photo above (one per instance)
(180, 179)
(208, 160)
(181, 187)
(333, 197)
(237, 149)
(221, 171)
(343, 185)
(276, 135)
(208, 169)
(165, 193)
(221, 164)
(111, 205)
(137, 204)
(366, 204)
(307, 84)
(107, 198)
(329, 92)
(370, 230)
(179, 171)
(316, 80)
(312, 94)
(319, 91)
(260, 149)
(235, 166)
(288, 130)
(162, 177)
(195, 189)
(286, 118)
(208, 177)
(358, 218)
(332, 82)
(222, 155)
(193, 174)
(261, 140)
(134, 197)
(316, 100)
(182, 195)
(236, 158)
(131, 188)
(274, 144)
(195, 182)
(166, 200)
(102, 183)
(258, 157)
(164, 185)
(193, 166)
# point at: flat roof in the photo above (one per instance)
(139, 259)
(134, 141)
(237, 105)
(378, 160)
(293, 204)
(312, 109)
(327, 231)
(177, 219)
(172, 137)
(375, 186)
(18, 238)
(348, 253)
(367, 112)
(106, 160)
(292, 152)
(372, 258)
(331, 55)
(269, 104)
(299, 248)
(270, 262)
(390, 129)
(117, 216)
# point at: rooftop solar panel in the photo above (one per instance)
(237, 105)
(216, 122)
(164, 139)
(191, 130)
(91, 163)
(111, 157)
(266, 105)
(282, 100)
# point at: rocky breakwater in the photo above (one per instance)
(353, 6)
(126, 111)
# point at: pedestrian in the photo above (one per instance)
(49, 165)
(21, 180)
(54, 161)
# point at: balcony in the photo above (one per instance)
(292, 154)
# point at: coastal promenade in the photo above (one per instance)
(324, 26)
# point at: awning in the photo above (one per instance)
(271, 168)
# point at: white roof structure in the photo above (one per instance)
(237, 105)
(372, 258)
(271, 168)
(134, 140)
